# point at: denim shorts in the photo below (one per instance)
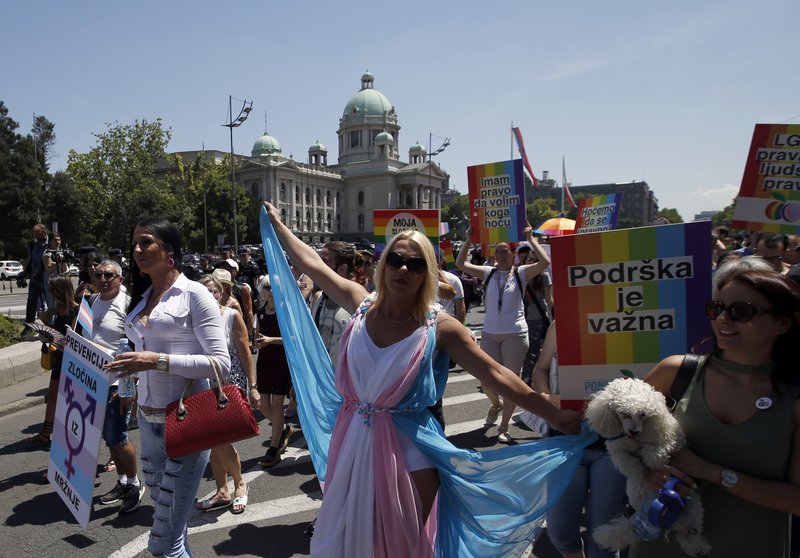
(115, 429)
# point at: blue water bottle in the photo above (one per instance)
(660, 513)
(127, 384)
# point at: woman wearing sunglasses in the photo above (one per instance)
(741, 416)
(388, 458)
(505, 329)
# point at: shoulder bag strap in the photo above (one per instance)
(682, 380)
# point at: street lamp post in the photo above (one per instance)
(232, 123)
(432, 154)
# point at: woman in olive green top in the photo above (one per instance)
(741, 415)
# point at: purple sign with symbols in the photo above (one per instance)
(80, 412)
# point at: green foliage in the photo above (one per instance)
(457, 215)
(670, 214)
(118, 176)
(540, 210)
(9, 331)
(724, 217)
(204, 188)
(21, 184)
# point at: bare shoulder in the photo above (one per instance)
(448, 328)
(663, 375)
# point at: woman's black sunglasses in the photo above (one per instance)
(415, 265)
(737, 311)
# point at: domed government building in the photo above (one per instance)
(320, 201)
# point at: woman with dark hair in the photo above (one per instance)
(176, 328)
(59, 316)
(741, 416)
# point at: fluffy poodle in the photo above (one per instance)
(641, 434)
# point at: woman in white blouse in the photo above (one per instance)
(174, 325)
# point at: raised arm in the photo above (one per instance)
(540, 266)
(454, 339)
(347, 294)
(461, 260)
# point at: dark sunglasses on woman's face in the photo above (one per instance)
(415, 265)
(107, 275)
(737, 311)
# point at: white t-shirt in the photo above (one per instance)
(109, 320)
(449, 306)
(505, 311)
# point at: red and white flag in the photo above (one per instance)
(526, 166)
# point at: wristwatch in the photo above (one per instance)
(728, 478)
(253, 386)
(163, 364)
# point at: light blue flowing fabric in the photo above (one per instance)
(491, 503)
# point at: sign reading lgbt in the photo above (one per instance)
(80, 413)
(497, 202)
(769, 197)
(598, 213)
(389, 222)
(626, 300)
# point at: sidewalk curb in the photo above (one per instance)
(21, 405)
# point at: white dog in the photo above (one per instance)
(641, 434)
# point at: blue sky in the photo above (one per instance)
(625, 90)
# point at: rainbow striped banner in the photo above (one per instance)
(497, 202)
(389, 222)
(446, 248)
(626, 300)
(598, 213)
(769, 197)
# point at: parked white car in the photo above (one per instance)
(10, 269)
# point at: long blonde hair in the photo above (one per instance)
(428, 292)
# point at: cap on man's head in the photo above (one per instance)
(524, 246)
(232, 263)
(113, 252)
(243, 250)
(223, 276)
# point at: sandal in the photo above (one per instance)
(494, 412)
(213, 503)
(109, 466)
(240, 503)
(43, 437)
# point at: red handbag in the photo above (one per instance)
(207, 419)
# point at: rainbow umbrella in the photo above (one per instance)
(557, 226)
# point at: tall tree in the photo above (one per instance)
(44, 137)
(21, 184)
(457, 215)
(118, 176)
(670, 214)
(540, 210)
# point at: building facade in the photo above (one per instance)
(320, 201)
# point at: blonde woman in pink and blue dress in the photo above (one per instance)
(393, 484)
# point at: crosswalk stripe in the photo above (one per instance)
(296, 454)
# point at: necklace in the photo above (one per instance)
(388, 319)
(751, 369)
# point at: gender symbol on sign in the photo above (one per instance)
(75, 423)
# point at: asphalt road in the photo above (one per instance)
(282, 501)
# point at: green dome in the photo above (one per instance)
(368, 101)
(317, 147)
(384, 136)
(266, 145)
(416, 147)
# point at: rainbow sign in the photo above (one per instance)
(446, 248)
(389, 222)
(598, 213)
(769, 197)
(497, 202)
(626, 300)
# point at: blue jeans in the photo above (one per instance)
(599, 487)
(173, 485)
(115, 428)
